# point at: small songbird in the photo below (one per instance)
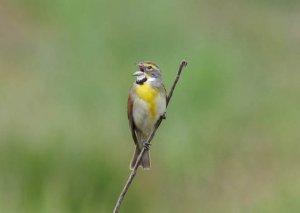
(146, 103)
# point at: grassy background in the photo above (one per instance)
(231, 139)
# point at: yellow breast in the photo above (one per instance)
(149, 95)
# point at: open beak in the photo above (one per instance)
(138, 73)
(141, 66)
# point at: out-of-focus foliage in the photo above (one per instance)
(231, 139)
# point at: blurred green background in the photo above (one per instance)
(231, 139)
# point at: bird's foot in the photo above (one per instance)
(147, 145)
(163, 116)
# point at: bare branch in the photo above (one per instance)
(148, 142)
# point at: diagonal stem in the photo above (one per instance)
(134, 170)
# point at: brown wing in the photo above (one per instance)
(130, 119)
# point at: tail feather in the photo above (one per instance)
(145, 161)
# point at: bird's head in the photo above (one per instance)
(148, 71)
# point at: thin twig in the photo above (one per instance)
(134, 169)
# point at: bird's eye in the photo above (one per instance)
(149, 67)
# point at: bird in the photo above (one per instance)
(146, 104)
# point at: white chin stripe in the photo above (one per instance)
(140, 78)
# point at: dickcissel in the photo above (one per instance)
(146, 103)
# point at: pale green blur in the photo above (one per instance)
(231, 141)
